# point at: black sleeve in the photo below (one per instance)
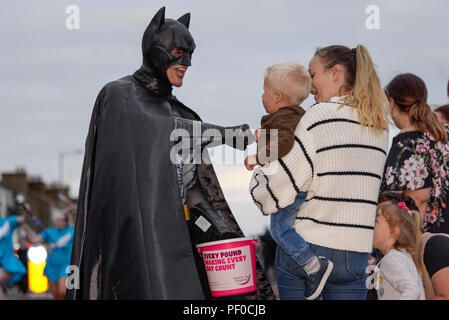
(436, 254)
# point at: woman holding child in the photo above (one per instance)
(337, 159)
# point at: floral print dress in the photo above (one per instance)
(416, 161)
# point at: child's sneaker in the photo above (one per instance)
(316, 281)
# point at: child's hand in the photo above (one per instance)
(250, 162)
(256, 135)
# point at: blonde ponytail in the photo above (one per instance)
(367, 94)
(362, 84)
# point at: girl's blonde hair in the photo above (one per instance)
(362, 84)
(290, 78)
(409, 225)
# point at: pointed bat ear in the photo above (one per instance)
(158, 19)
(185, 20)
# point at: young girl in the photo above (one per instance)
(397, 236)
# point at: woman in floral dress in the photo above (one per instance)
(418, 161)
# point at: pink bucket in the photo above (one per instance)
(230, 266)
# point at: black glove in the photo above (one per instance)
(206, 224)
(238, 137)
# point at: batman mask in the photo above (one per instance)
(167, 42)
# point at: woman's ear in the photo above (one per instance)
(336, 72)
(393, 103)
(394, 107)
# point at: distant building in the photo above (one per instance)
(46, 200)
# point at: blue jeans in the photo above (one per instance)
(282, 231)
(346, 282)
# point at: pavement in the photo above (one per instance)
(14, 293)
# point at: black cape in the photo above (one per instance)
(131, 238)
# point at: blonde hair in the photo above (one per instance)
(409, 224)
(362, 84)
(290, 78)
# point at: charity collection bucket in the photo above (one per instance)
(230, 266)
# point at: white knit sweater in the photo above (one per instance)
(339, 164)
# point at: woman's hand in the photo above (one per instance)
(251, 162)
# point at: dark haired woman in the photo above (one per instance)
(338, 159)
(418, 161)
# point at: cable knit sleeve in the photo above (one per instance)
(275, 185)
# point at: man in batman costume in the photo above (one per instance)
(132, 240)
